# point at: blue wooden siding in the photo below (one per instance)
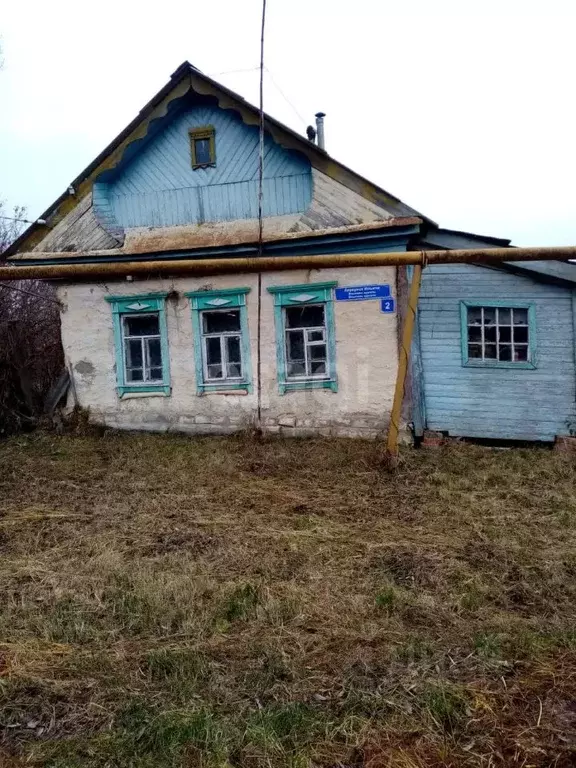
(158, 186)
(499, 403)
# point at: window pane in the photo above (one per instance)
(317, 352)
(134, 374)
(155, 374)
(221, 322)
(234, 366)
(315, 335)
(296, 369)
(474, 315)
(504, 334)
(141, 325)
(213, 351)
(490, 351)
(489, 315)
(214, 371)
(475, 333)
(520, 354)
(521, 334)
(520, 317)
(474, 351)
(490, 334)
(505, 352)
(504, 316)
(233, 349)
(154, 352)
(234, 370)
(305, 317)
(318, 369)
(202, 147)
(133, 353)
(295, 345)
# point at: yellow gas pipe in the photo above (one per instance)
(73, 272)
(120, 269)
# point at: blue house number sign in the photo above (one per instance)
(362, 292)
(388, 305)
(367, 292)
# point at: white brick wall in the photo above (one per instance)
(366, 359)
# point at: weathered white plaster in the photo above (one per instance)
(366, 359)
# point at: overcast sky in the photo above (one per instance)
(462, 108)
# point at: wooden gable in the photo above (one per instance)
(145, 183)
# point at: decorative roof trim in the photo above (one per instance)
(184, 80)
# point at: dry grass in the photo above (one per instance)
(226, 602)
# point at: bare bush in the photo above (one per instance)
(31, 357)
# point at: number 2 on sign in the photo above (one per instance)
(387, 305)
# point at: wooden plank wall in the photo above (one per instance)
(158, 187)
(498, 403)
(79, 230)
(214, 202)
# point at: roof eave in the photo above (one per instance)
(365, 238)
(318, 157)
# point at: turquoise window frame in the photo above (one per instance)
(302, 295)
(226, 298)
(473, 363)
(141, 304)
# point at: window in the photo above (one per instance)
(306, 351)
(203, 146)
(500, 336)
(142, 347)
(221, 347)
(305, 346)
(141, 341)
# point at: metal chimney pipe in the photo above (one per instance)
(320, 129)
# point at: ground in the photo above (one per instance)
(169, 601)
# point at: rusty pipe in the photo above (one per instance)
(220, 266)
(403, 364)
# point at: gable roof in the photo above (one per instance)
(185, 79)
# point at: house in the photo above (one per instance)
(281, 350)
(494, 349)
(299, 351)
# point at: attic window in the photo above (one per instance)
(203, 146)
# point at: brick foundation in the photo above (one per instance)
(286, 424)
(432, 439)
(565, 444)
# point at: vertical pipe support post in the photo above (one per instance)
(404, 358)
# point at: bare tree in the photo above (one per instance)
(11, 224)
(31, 357)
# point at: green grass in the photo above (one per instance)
(223, 602)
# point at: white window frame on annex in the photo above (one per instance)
(472, 362)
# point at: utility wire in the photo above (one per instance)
(11, 218)
(260, 219)
(274, 83)
(286, 99)
(233, 71)
(29, 293)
